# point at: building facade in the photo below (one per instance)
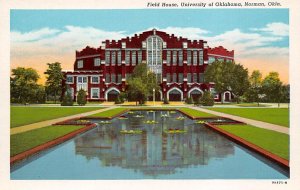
(179, 64)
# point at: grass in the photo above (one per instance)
(30, 139)
(278, 116)
(196, 113)
(109, 113)
(252, 105)
(27, 115)
(275, 142)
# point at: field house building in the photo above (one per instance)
(179, 64)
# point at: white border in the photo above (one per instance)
(6, 183)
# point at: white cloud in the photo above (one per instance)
(66, 41)
(32, 35)
(244, 43)
(188, 32)
(275, 28)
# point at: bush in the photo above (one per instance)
(198, 101)
(67, 99)
(81, 98)
(189, 100)
(123, 96)
(166, 101)
(207, 99)
(118, 100)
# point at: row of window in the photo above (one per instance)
(113, 78)
(213, 59)
(83, 79)
(114, 57)
(95, 92)
(191, 77)
(193, 57)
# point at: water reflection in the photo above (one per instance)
(153, 152)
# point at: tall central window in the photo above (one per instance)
(154, 50)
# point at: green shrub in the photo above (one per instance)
(81, 98)
(118, 100)
(190, 100)
(198, 101)
(67, 99)
(166, 101)
(207, 99)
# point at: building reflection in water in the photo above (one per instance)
(153, 152)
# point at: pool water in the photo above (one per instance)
(105, 153)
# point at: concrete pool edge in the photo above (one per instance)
(273, 157)
(23, 155)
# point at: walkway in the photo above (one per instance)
(256, 123)
(46, 123)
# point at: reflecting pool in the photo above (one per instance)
(158, 152)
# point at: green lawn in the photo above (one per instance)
(109, 113)
(27, 115)
(196, 113)
(275, 142)
(27, 140)
(279, 116)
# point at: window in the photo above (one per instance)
(200, 57)
(119, 80)
(180, 77)
(180, 61)
(174, 57)
(201, 77)
(113, 58)
(127, 57)
(139, 57)
(195, 77)
(82, 83)
(168, 57)
(95, 93)
(113, 78)
(80, 64)
(107, 78)
(189, 58)
(189, 77)
(119, 58)
(211, 60)
(184, 44)
(154, 50)
(70, 80)
(97, 62)
(123, 45)
(168, 78)
(95, 80)
(194, 57)
(221, 59)
(107, 57)
(174, 77)
(133, 57)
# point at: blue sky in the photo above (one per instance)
(252, 33)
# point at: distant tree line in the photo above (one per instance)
(227, 76)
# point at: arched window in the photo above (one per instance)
(154, 50)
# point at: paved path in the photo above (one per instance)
(46, 123)
(256, 123)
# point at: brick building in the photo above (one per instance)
(179, 64)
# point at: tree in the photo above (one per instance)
(67, 99)
(54, 79)
(81, 97)
(141, 83)
(23, 85)
(239, 83)
(253, 94)
(227, 76)
(272, 87)
(207, 99)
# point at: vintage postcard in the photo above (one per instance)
(149, 94)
